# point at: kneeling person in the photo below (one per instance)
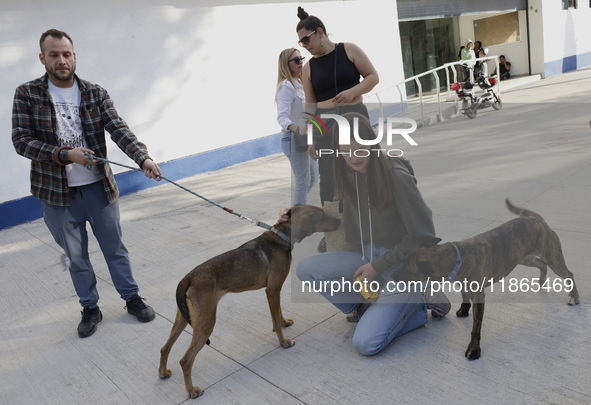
(386, 217)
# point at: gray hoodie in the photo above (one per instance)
(400, 227)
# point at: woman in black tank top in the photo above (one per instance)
(332, 86)
(326, 81)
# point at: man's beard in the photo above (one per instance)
(61, 75)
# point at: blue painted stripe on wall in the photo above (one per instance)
(567, 64)
(28, 209)
(18, 212)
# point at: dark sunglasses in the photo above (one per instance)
(304, 41)
(297, 59)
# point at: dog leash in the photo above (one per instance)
(254, 222)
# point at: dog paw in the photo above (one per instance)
(461, 313)
(195, 392)
(286, 322)
(573, 300)
(166, 374)
(473, 352)
(287, 343)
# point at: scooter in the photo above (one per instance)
(465, 92)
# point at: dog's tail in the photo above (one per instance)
(181, 300)
(522, 212)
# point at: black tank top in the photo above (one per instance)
(322, 74)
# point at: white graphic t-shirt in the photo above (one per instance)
(66, 103)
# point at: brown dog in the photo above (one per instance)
(262, 262)
(526, 240)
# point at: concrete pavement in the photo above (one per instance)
(535, 348)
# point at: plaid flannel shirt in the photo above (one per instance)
(34, 137)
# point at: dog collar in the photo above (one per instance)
(454, 272)
(273, 229)
(281, 234)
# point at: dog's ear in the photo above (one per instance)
(426, 268)
(295, 209)
(301, 224)
(429, 243)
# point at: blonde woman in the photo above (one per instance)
(289, 98)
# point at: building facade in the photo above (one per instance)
(191, 77)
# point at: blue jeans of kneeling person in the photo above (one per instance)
(392, 315)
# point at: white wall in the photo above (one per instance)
(187, 76)
(566, 32)
(557, 34)
(515, 52)
(536, 32)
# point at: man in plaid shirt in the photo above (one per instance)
(56, 120)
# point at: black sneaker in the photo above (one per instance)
(90, 319)
(437, 302)
(322, 245)
(356, 315)
(136, 307)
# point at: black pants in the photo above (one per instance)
(325, 162)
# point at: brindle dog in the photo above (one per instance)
(262, 262)
(526, 240)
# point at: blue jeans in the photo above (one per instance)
(305, 169)
(68, 227)
(392, 315)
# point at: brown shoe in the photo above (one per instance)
(356, 315)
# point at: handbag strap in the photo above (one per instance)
(336, 52)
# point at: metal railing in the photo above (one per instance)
(447, 67)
